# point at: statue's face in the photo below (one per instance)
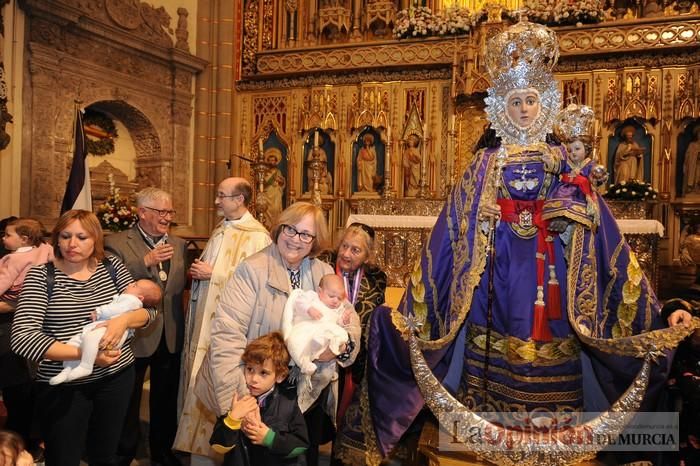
(523, 106)
(577, 151)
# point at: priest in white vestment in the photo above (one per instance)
(238, 236)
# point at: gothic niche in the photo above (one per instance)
(334, 20)
(319, 146)
(368, 163)
(629, 152)
(274, 195)
(379, 17)
(688, 174)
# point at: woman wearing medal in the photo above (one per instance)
(365, 285)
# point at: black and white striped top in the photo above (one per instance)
(38, 324)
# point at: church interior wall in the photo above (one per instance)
(280, 72)
(12, 59)
(136, 64)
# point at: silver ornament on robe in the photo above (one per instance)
(557, 447)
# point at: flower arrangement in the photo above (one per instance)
(421, 21)
(116, 214)
(566, 12)
(412, 22)
(452, 20)
(632, 190)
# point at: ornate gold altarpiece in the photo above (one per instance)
(399, 239)
(646, 69)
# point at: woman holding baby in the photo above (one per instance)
(365, 285)
(252, 305)
(89, 411)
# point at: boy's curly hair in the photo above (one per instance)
(272, 347)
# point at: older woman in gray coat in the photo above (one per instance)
(253, 302)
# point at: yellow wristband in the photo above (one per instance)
(231, 423)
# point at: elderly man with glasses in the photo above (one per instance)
(237, 236)
(149, 252)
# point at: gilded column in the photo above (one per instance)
(311, 23)
(213, 108)
(292, 16)
(356, 9)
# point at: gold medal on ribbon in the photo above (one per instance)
(163, 275)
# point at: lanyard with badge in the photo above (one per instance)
(162, 274)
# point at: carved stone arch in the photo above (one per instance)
(147, 145)
(133, 74)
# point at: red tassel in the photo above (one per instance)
(553, 301)
(540, 325)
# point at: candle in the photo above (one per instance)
(387, 165)
(388, 133)
(316, 139)
(425, 130)
(596, 128)
(243, 147)
(452, 122)
(260, 145)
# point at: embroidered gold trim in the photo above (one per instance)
(465, 290)
(527, 397)
(655, 341)
(523, 378)
(516, 410)
(348, 454)
(442, 324)
(517, 351)
(574, 211)
(613, 278)
(372, 455)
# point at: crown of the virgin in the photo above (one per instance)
(522, 56)
(575, 122)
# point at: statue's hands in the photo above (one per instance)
(679, 317)
(490, 212)
(558, 225)
(599, 176)
(550, 162)
(685, 257)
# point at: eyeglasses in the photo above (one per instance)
(162, 213)
(366, 228)
(292, 232)
(224, 196)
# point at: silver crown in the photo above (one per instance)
(575, 122)
(522, 57)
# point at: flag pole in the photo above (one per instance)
(78, 193)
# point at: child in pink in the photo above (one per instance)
(24, 238)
